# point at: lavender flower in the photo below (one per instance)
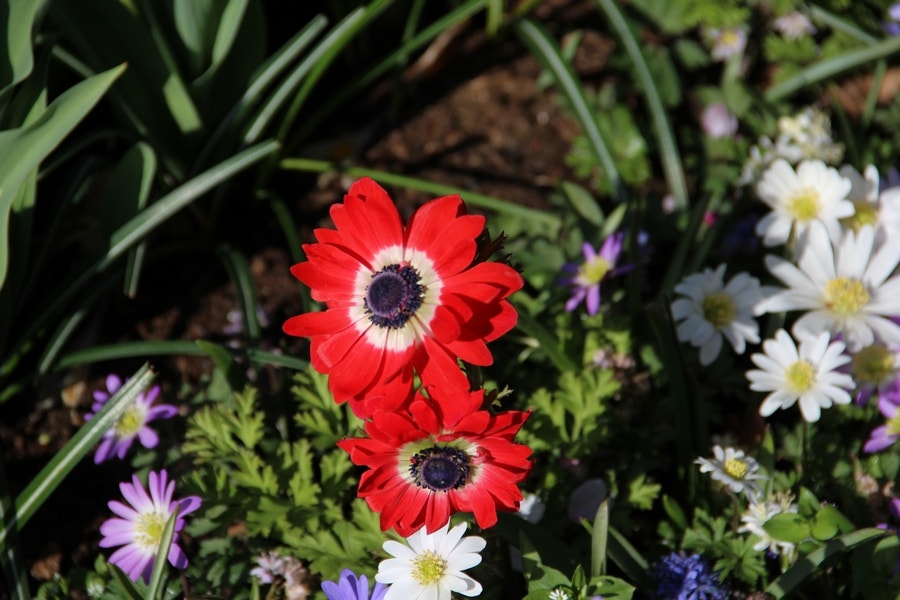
(794, 25)
(133, 422)
(718, 122)
(139, 526)
(892, 27)
(726, 42)
(687, 578)
(886, 435)
(351, 587)
(598, 266)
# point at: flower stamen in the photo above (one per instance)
(805, 204)
(428, 568)
(719, 309)
(800, 376)
(393, 296)
(846, 296)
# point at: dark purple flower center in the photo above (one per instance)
(393, 296)
(440, 469)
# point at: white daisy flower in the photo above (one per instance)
(431, 566)
(814, 192)
(880, 210)
(807, 135)
(794, 25)
(734, 470)
(713, 309)
(807, 374)
(846, 290)
(756, 516)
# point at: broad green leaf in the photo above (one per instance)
(583, 202)
(22, 150)
(788, 527)
(16, 23)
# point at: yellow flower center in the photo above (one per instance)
(428, 568)
(718, 309)
(729, 38)
(893, 424)
(131, 421)
(735, 468)
(866, 213)
(873, 364)
(148, 529)
(594, 270)
(846, 296)
(800, 376)
(804, 204)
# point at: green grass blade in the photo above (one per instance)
(43, 484)
(158, 576)
(546, 341)
(599, 535)
(547, 52)
(422, 185)
(669, 154)
(628, 559)
(832, 21)
(146, 348)
(11, 554)
(397, 58)
(824, 69)
(239, 273)
(126, 583)
(821, 557)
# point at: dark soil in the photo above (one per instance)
(475, 118)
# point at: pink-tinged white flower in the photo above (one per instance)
(847, 290)
(793, 25)
(718, 122)
(430, 566)
(734, 470)
(886, 435)
(598, 266)
(133, 424)
(726, 42)
(812, 193)
(711, 309)
(138, 527)
(880, 210)
(807, 374)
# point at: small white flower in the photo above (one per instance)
(558, 594)
(756, 516)
(726, 42)
(531, 508)
(807, 374)
(717, 121)
(793, 25)
(713, 309)
(807, 135)
(815, 192)
(846, 290)
(733, 469)
(431, 566)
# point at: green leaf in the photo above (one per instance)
(806, 566)
(16, 22)
(583, 202)
(598, 539)
(158, 575)
(673, 509)
(788, 527)
(22, 150)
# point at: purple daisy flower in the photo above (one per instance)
(885, 435)
(133, 422)
(351, 587)
(598, 266)
(139, 526)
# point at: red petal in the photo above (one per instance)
(327, 323)
(426, 227)
(368, 219)
(487, 281)
(445, 324)
(437, 367)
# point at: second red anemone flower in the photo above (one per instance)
(400, 299)
(443, 456)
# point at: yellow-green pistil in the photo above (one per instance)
(735, 468)
(131, 421)
(865, 213)
(893, 424)
(148, 529)
(846, 296)
(800, 376)
(873, 364)
(428, 568)
(718, 309)
(594, 270)
(804, 204)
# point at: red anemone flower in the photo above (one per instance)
(400, 298)
(442, 456)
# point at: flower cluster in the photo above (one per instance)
(406, 303)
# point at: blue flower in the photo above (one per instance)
(351, 587)
(683, 577)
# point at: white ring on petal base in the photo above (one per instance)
(418, 326)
